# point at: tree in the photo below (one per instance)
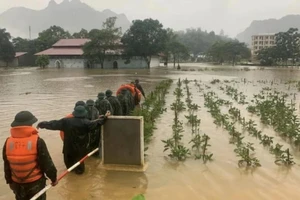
(145, 38)
(179, 51)
(7, 52)
(287, 44)
(101, 41)
(198, 41)
(50, 36)
(24, 45)
(171, 38)
(267, 56)
(42, 61)
(229, 51)
(81, 34)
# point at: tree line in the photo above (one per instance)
(145, 38)
(287, 48)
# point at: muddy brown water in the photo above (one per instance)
(51, 94)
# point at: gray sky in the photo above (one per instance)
(231, 15)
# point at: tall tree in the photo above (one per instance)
(50, 36)
(178, 51)
(287, 44)
(145, 38)
(102, 41)
(24, 45)
(229, 51)
(81, 34)
(171, 38)
(7, 52)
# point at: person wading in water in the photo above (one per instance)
(139, 87)
(26, 159)
(76, 137)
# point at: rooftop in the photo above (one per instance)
(71, 42)
(61, 52)
(264, 34)
(19, 54)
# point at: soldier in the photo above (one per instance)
(78, 103)
(95, 136)
(103, 104)
(114, 102)
(76, 131)
(93, 112)
(26, 159)
(139, 87)
(127, 102)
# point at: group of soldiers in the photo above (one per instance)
(27, 162)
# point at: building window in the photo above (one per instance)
(272, 37)
(255, 42)
(261, 37)
(255, 47)
(256, 37)
(266, 43)
(260, 42)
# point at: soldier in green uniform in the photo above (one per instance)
(95, 135)
(127, 102)
(103, 104)
(115, 103)
(27, 161)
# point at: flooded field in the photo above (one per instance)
(51, 94)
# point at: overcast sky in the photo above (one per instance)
(231, 15)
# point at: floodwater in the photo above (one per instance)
(51, 94)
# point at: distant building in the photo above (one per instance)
(21, 59)
(68, 53)
(261, 41)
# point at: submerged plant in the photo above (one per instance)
(266, 140)
(285, 159)
(247, 159)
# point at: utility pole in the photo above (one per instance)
(30, 32)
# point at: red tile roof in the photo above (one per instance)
(62, 52)
(18, 54)
(71, 42)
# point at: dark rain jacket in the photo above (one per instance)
(116, 105)
(44, 161)
(76, 132)
(127, 102)
(93, 112)
(103, 106)
(140, 88)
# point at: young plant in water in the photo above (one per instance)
(277, 150)
(177, 150)
(266, 140)
(285, 159)
(247, 159)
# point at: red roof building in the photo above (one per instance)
(66, 47)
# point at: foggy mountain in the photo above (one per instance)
(70, 15)
(269, 26)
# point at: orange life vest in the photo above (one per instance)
(21, 152)
(62, 134)
(133, 90)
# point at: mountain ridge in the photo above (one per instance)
(70, 15)
(269, 26)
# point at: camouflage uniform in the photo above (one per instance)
(115, 103)
(95, 135)
(127, 102)
(103, 105)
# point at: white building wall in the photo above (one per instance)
(135, 63)
(67, 63)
